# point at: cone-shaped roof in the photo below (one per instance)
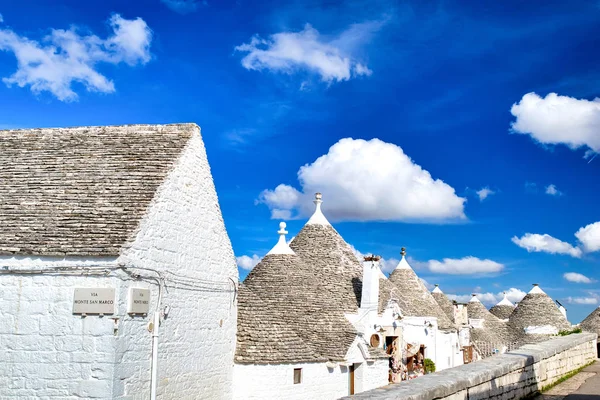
(413, 297)
(592, 322)
(537, 309)
(334, 264)
(444, 302)
(283, 286)
(494, 330)
(503, 309)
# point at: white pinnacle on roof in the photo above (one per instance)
(536, 289)
(318, 218)
(437, 289)
(474, 299)
(281, 247)
(505, 302)
(403, 264)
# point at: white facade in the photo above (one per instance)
(320, 381)
(47, 352)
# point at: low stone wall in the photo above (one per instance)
(513, 375)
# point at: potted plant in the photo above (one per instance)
(429, 366)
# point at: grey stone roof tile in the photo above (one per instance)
(537, 309)
(81, 191)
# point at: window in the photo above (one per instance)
(297, 375)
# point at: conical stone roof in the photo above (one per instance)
(444, 302)
(283, 286)
(413, 297)
(333, 263)
(592, 322)
(503, 309)
(536, 310)
(494, 331)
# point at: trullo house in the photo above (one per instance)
(315, 323)
(537, 314)
(117, 276)
(503, 309)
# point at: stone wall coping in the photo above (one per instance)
(449, 381)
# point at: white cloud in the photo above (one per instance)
(513, 294)
(64, 57)
(553, 191)
(531, 187)
(483, 193)
(465, 266)
(534, 242)
(577, 278)
(559, 120)
(367, 181)
(589, 236)
(582, 300)
(332, 60)
(247, 262)
(184, 6)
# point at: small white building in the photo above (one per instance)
(503, 309)
(117, 276)
(294, 339)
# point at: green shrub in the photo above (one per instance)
(429, 365)
(569, 332)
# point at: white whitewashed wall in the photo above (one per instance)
(264, 382)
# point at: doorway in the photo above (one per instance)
(351, 377)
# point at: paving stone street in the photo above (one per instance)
(583, 386)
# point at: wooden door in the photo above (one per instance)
(351, 379)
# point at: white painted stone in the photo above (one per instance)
(282, 246)
(318, 218)
(541, 330)
(536, 289)
(403, 264)
(264, 382)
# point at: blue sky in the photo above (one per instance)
(276, 86)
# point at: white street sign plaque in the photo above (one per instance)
(94, 301)
(139, 301)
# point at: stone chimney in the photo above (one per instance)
(369, 299)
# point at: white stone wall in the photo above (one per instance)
(47, 352)
(448, 352)
(414, 330)
(264, 382)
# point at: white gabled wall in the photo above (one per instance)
(184, 233)
(264, 382)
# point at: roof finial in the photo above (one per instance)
(536, 289)
(474, 299)
(318, 218)
(403, 251)
(282, 230)
(437, 289)
(281, 247)
(318, 199)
